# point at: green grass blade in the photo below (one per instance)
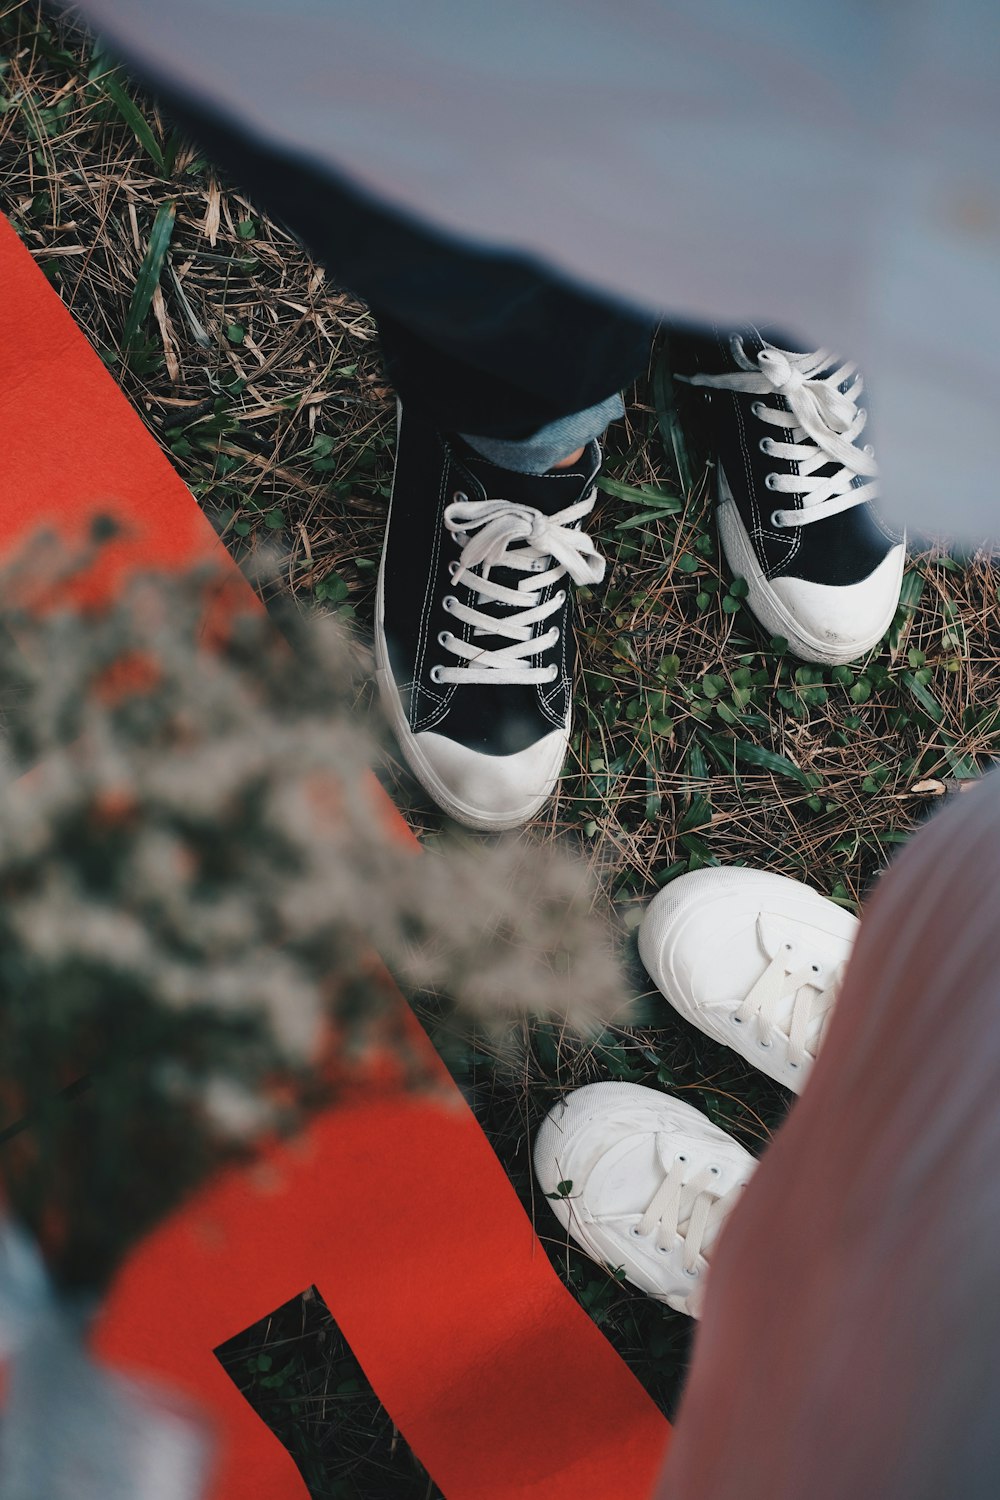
(927, 701)
(769, 760)
(149, 273)
(720, 751)
(135, 119)
(668, 505)
(671, 433)
(753, 755)
(695, 763)
(911, 589)
(647, 515)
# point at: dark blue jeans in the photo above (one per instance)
(481, 342)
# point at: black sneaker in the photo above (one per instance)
(795, 490)
(474, 634)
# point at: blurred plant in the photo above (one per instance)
(196, 869)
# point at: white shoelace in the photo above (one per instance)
(811, 985)
(824, 423)
(690, 1207)
(502, 533)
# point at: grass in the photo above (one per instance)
(696, 741)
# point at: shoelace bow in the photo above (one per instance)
(824, 421)
(503, 533)
(813, 990)
(690, 1207)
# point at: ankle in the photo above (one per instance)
(567, 463)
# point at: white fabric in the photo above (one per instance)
(824, 424)
(832, 169)
(851, 1328)
(503, 533)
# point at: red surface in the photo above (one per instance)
(394, 1206)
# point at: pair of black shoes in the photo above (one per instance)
(474, 626)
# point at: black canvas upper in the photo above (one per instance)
(431, 469)
(837, 550)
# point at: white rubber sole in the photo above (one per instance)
(768, 609)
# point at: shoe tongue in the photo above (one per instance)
(550, 492)
(755, 339)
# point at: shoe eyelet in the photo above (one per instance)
(561, 596)
(634, 1232)
(435, 674)
(444, 637)
(714, 1171)
(453, 567)
(682, 1158)
(459, 497)
(693, 1274)
(737, 1020)
(793, 1065)
(765, 1045)
(815, 968)
(757, 407)
(776, 520)
(787, 947)
(448, 602)
(769, 481)
(765, 445)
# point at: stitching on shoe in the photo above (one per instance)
(758, 533)
(890, 534)
(473, 486)
(424, 720)
(562, 683)
(799, 504)
(781, 539)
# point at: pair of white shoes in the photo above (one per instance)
(642, 1181)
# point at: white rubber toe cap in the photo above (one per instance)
(837, 624)
(488, 791)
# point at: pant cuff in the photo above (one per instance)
(551, 443)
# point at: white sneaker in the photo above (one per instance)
(643, 1183)
(752, 959)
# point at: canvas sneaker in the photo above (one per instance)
(643, 1183)
(474, 636)
(752, 959)
(796, 489)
